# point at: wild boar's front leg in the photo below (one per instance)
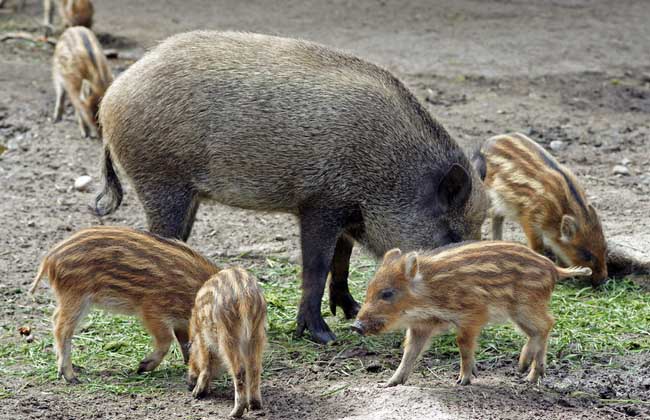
(319, 230)
(339, 291)
(417, 339)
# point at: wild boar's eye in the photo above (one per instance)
(387, 294)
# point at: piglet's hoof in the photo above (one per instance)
(199, 393)
(463, 380)
(73, 381)
(147, 365)
(238, 411)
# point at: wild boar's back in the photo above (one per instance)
(263, 122)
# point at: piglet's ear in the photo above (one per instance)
(411, 266)
(392, 255)
(86, 90)
(568, 228)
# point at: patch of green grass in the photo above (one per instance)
(590, 324)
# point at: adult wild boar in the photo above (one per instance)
(282, 125)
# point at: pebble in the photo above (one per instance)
(625, 162)
(620, 170)
(558, 145)
(82, 183)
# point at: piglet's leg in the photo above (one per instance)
(497, 227)
(238, 372)
(163, 337)
(466, 339)
(66, 318)
(183, 339)
(59, 102)
(417, 339)
(254, 370)
(535, 240)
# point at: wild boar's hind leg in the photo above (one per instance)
(170, 208)
(339, 291)
(319, 231)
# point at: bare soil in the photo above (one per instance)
(576, 71)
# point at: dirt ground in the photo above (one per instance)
(576, 71)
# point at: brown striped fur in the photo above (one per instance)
(125, 271)
(228, 328)
(465, 286)
(72, 13)
(80, 69)
(526, 184)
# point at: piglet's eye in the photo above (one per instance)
(586, 255)
(387, 294)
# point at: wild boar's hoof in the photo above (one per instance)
(320, 332)
(346, 302)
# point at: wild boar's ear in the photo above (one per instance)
(455, 187)
(391, 255)
(86, 90)
(411, 266)
(568, 228)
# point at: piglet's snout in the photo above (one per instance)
(358, 327)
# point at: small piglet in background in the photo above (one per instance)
(125, 271)
(526, 184)
(228, 328)
(80, 69)
(465, 286)
(72, 13)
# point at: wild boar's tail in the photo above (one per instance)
(573, 272)
(39, 276)
(112, 188)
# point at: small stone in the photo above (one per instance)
(625, 162)
(82, 183)
(558, 145)
(29, 339)
(620, 170)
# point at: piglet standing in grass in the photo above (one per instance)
(228, 330)
(125, 271)
(526, 184)
(464, 286)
